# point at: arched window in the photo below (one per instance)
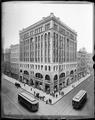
(26, 72)
(62, 75)
(38, 75)
(71, 72)
(47, 77)
(55, 77)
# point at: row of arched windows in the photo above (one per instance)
(47, 77)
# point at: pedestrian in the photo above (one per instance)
(56, 95)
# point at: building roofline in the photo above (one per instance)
(44, 19)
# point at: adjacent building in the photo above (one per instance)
(48, 54)
(81, 63)
(89, 59)
(7, 55)
(6, 63)
(15, 60)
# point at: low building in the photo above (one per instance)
(15, 60)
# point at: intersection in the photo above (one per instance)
(62, 107)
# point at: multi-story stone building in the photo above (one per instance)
(81, 63)
(89, 59)
(48, 54)
(15, 60)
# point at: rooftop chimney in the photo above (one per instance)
(51, 14)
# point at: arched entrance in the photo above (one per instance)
(26, 77)
(47, 88)
(61, 81)
(62, 75)
(39, 75)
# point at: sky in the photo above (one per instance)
(19, 15)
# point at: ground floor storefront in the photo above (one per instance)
(47, 86)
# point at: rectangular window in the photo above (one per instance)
(49, 68)
(47, 26)
(55, 26)
(61, 30)
(36, 66)
(45, 67)
(41, 67)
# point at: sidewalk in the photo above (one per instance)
(41, 93)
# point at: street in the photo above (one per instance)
(62, 107)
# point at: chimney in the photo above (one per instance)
(52, 14)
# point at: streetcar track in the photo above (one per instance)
(12, 101)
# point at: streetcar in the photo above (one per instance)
(28, 101)
(79, 99)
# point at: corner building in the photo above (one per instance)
(48, 55)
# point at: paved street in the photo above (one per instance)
(62, 107)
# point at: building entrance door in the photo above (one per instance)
(47, 88)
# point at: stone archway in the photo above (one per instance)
(39, 75)
(62, 75)
(47, 77)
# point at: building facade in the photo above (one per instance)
(81, 63)
(90, 62)
(15, 60)
(7, 55)
(48, 52)
(6, 63)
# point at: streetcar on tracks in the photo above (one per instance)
(28, 101)
(79, 99)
